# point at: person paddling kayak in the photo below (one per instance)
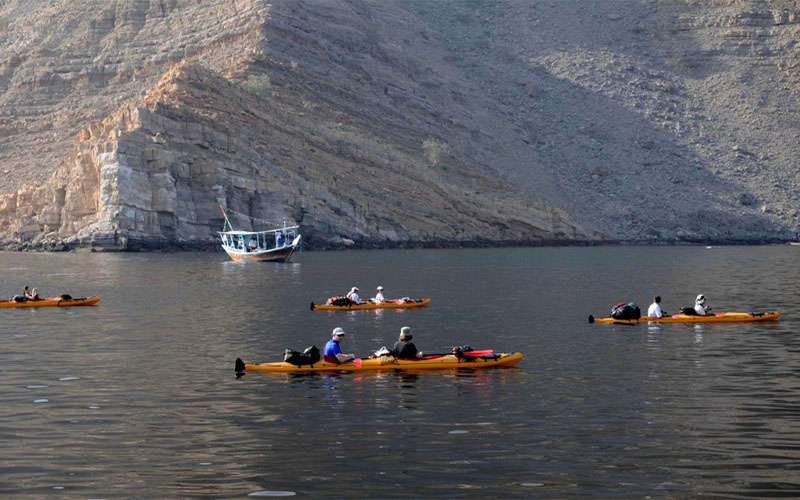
(404, 348)
(700, 305)
(379, 298)
(353, 295)
(655, 311)
(333, 352)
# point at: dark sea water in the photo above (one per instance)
(137, 397)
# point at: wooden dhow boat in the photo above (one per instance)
(273, 245)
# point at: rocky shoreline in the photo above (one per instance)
(168, 246)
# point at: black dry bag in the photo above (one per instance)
(308, 357)
(626, 311)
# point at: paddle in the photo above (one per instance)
(484, 352)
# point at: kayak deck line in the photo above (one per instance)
(449, 361)
(50, 302)
(389, 304)
(724, 317)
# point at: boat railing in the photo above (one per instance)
(258, 241)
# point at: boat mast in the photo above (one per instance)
(228, 222)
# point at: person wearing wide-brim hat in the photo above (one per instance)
(353, 295)
(404, 348)
(333, 352)
(700, 305)
(379, 295)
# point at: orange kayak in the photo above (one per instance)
(726, 317)
(51, 302)
(445, 362)
(389, 304)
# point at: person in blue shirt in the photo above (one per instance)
(333, 352)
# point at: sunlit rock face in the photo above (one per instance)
(125, 125)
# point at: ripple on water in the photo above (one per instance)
(41, 401)
(268, 493)
(68, 378)
(458, 431)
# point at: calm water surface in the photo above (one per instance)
(137, 397)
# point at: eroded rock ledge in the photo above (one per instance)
(153, 174)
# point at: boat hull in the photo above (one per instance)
(278, 255)
(377, 364)
(728, 317)
(50, 302)
(369, 305)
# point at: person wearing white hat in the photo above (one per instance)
(404, 348)
(333, 352)
(700, 305)
(379, 295)
(353, 295)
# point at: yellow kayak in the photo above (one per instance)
(446, 362)
(389, 304)
(51, 302)
(726, 317)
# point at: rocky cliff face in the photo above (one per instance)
(125, 124)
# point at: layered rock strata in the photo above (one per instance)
(154, 173)
(124, 124)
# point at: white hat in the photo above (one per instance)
(354, 289)
(379, 288)
(338, 331)
(405, 333)
(700, 299)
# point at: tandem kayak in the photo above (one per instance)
(725, 317)
(51, 302)
(389, 304)
(443, 362)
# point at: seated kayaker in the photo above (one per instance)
(30, 294)
(379, 298)
(333, 352)
(655, 311)
(700, 305)
(404, 348)
(353, 295)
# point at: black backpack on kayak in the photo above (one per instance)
(338, 301)
(308, 357)
(688, 311)
(626, 311)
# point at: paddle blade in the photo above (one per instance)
(357, 362)
(239, 365)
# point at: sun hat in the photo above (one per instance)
(338, 331)
(379, 288)
(700, 299)
(405, 333)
